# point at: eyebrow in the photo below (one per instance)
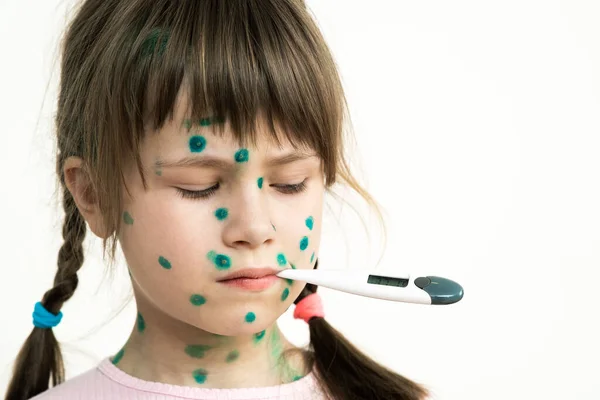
(218, 163)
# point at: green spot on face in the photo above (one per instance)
(164, 262)
(304, 243)
(274, 227)
(127, 218)
(310, 221)
(260, 182)
(290, 281)
(158, 172)
(281, 259)
(187, 123)
(118, 357)
(196, 350)
(141, 324)
(197, 143)
(197, 299)
(221, 261)
(285, 294)
(205, 122)
(232, 356)
(250, 317)
(200, 375)
(221, 213)
(293, 266)
(312, 257)
(241, 155)
(258, 336)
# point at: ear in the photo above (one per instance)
(79, 184)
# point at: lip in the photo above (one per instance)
(250, 273)
(253, 279)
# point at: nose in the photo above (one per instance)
(249, 223)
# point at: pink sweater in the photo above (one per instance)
(106, 381)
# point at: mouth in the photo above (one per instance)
(254, 279)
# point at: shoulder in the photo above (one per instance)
(90, 384)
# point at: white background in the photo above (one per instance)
(477, 124)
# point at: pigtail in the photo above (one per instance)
(40, 358)
(345, 372)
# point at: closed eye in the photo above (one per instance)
(291, 188)
(198, 194)
(206, 193)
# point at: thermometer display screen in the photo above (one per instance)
(387, 281)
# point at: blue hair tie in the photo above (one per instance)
(43, 318)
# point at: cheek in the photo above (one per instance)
(166, 250)
(304, 236)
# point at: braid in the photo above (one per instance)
(40, 358)
(343, 371)
(70, 256)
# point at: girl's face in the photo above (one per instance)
(211, 209)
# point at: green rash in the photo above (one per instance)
(281, 260)
(221, 261)
(260, 182)
(250, 317)
(285, 294)
(275, 344)
(276, 348)
(157, 167)
(310, 221)
(242, 155)
(312, 257)
(196, 350)
(118, 357)
(259, 336)
(149, 45)
(188, 123)
(221, 213)
(127, 218)
(232, 356)
(197, 299)
(200, 375)
(141, 324)
(164, 262)
(197, 144)
(304, 243)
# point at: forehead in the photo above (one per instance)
(182, 125)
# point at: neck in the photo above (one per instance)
(165, 350)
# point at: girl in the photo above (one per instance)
(201, 136)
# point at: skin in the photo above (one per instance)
(184, 230)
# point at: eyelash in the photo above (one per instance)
(198, 194)
(292, 189)
(206, 193)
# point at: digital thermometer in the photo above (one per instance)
(387, 286)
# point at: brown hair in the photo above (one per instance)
(123, 64)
